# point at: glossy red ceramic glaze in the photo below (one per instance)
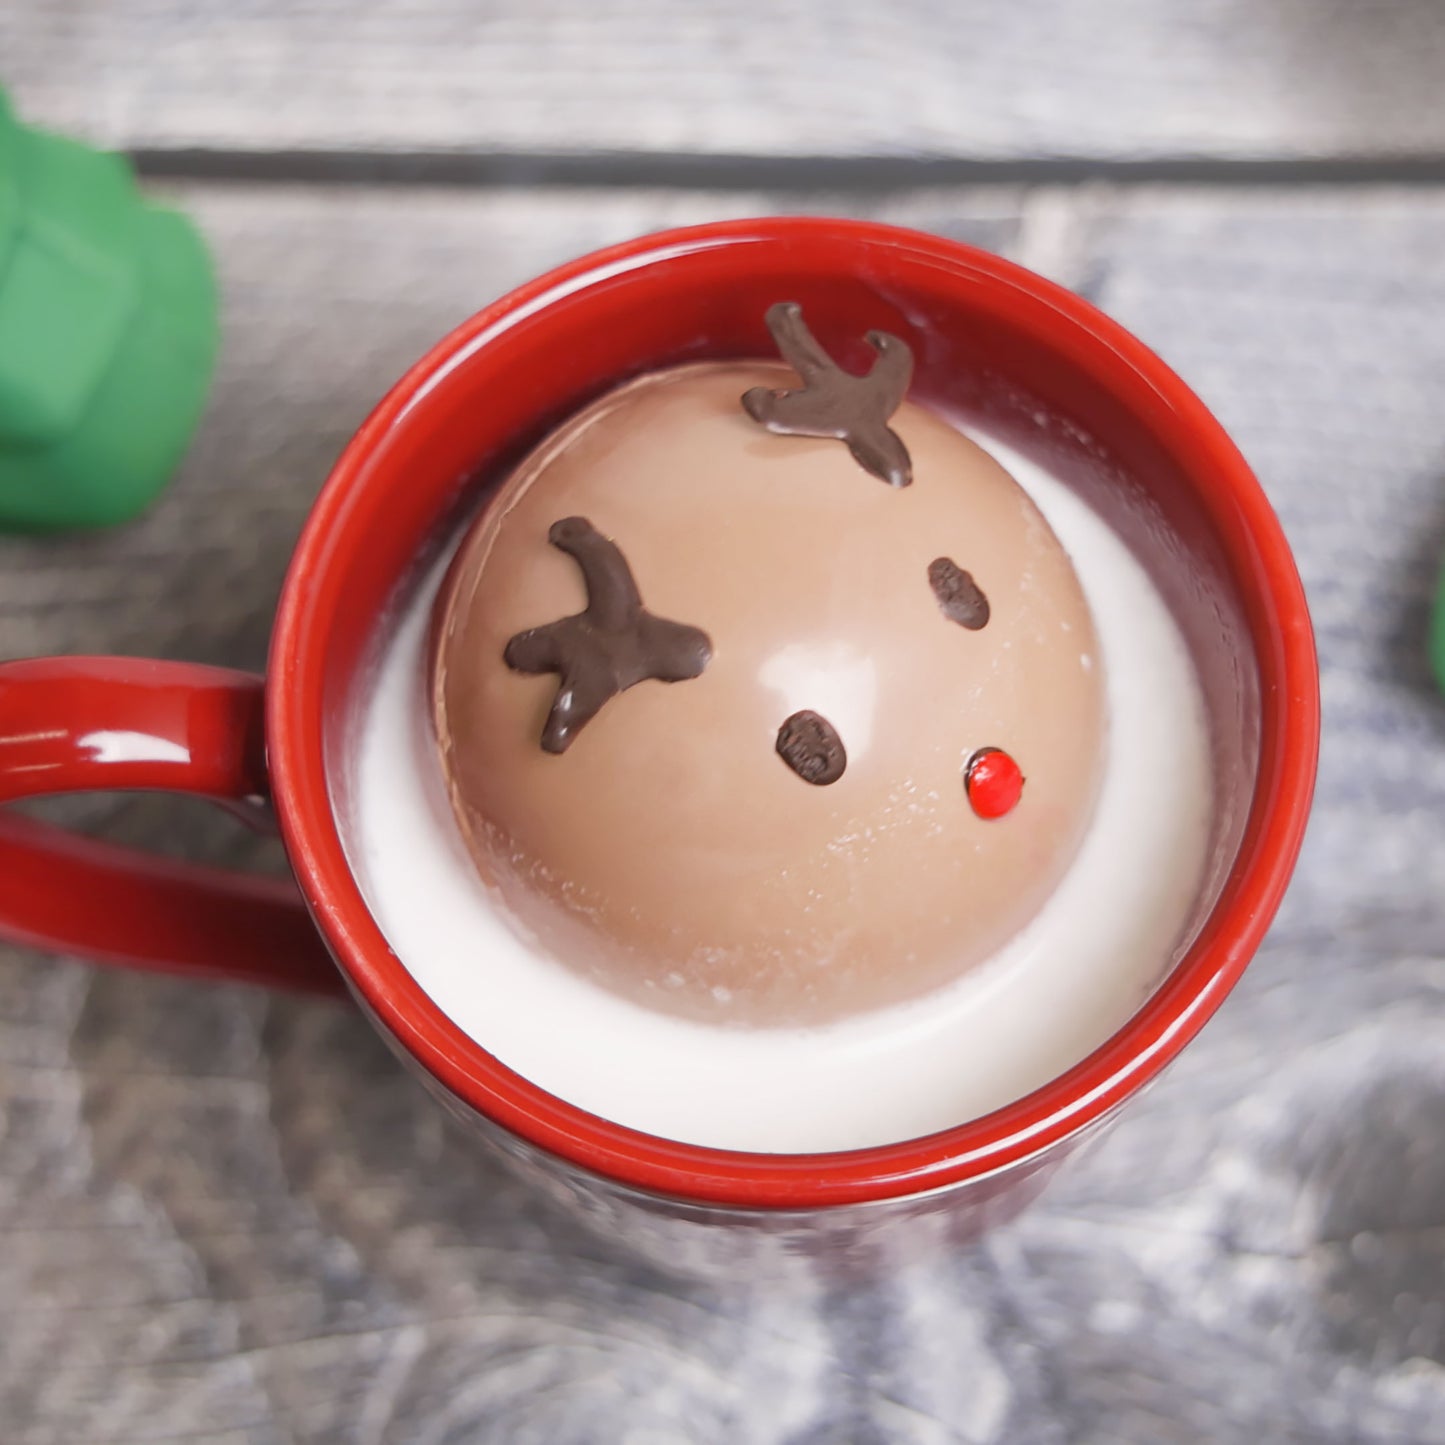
(1030, 361)
(85, 724)
(993, 343)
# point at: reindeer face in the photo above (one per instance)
(791, 673)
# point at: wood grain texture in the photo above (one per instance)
(228, 1218)
(976, 78)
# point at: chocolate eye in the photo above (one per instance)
(810, 746)
(960, 598)
(993, 782)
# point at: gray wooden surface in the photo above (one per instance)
(1092, 78)
(231, 1218)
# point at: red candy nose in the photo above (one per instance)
(993, 782)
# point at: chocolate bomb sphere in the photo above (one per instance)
(764, 696)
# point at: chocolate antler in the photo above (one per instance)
(834, 403)
(604, 650)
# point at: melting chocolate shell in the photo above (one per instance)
(681, 852)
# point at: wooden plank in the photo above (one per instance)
(974, 78)
(237, 1219)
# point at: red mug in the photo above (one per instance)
(1033, 364)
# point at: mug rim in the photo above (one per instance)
(1047, 1116)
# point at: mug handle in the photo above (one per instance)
(82, 724)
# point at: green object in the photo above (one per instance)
(1437, 634)
(108, 335)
